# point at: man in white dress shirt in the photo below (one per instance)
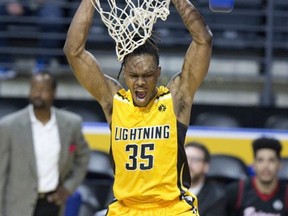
(43, 154)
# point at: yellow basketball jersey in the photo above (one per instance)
(147, 146)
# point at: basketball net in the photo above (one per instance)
(134, 19)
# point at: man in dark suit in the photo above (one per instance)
(43, 154)
(211, 196)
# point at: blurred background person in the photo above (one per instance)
(211, 196)
(263, 194)
(46, 14)
(43, 154)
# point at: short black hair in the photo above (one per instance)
(267, 143)
(149, 47)
(51, 76)
(200, 146)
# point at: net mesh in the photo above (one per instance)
(130, 19)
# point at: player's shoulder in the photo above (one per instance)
(123, 95)
(163, 91)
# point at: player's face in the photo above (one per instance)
(197, 165)
(266, 165)
(41, 92)
(141, 75)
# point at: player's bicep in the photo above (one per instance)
(90, 75)
(195, 66)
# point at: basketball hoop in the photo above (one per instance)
(133, 20)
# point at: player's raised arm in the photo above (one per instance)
(84, 64)
(196, 62)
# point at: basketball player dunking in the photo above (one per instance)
(148, 123)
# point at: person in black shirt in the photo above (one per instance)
(264, 194)
(211, 196)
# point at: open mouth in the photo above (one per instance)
(141, 95)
